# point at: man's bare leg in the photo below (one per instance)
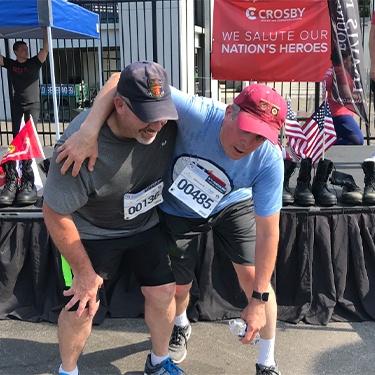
(182, 329)
(72, 334)
(160, 309)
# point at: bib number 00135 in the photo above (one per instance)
(197, 189)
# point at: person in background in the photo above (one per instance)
(347, 130)
(24, 73)
(235, 148)
(106, 220)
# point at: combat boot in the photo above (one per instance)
(369, 190)
(27, 193)
(323, 197)
(289, 167)
(351, 192)
(44, 165)
(9, 192)
(302, 192)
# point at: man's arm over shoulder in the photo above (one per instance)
(42, 55)
(1, 60)
(83, 144)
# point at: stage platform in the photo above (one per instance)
(325, 269)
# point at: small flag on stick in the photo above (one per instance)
(25, 146)
(314, 137)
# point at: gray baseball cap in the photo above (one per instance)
(146, 86)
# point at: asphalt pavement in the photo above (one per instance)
(120, 346)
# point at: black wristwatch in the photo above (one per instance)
(261, 296)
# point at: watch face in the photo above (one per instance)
(261, 296)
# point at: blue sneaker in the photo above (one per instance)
(167, 367)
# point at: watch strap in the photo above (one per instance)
(260, 296)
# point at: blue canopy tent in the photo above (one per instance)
(64, 20)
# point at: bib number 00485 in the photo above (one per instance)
(200, 197)
(197, 189)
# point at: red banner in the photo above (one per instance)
(281, 41)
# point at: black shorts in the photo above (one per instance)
(143, 253)
(18, 110)
(233, 230)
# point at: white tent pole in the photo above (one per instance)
(52, 69)
(100, 63)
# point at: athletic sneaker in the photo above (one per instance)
(267, 370)
(178, 343)
(167, 367)
(63, 373)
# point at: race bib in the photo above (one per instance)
(136, 204)
(199, 189)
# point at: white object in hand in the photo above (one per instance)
(238, 327)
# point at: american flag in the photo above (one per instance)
(294, 133)
(284, 152)
(316, 135)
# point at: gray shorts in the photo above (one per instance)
(233, 233)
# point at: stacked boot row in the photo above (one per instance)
(317, 193)
(21, 192)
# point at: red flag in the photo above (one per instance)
(319, 135)
(3, 177)
(25, 145)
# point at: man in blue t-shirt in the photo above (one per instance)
(226, 175)
(24, 73)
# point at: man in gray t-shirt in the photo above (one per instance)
(106, 218)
